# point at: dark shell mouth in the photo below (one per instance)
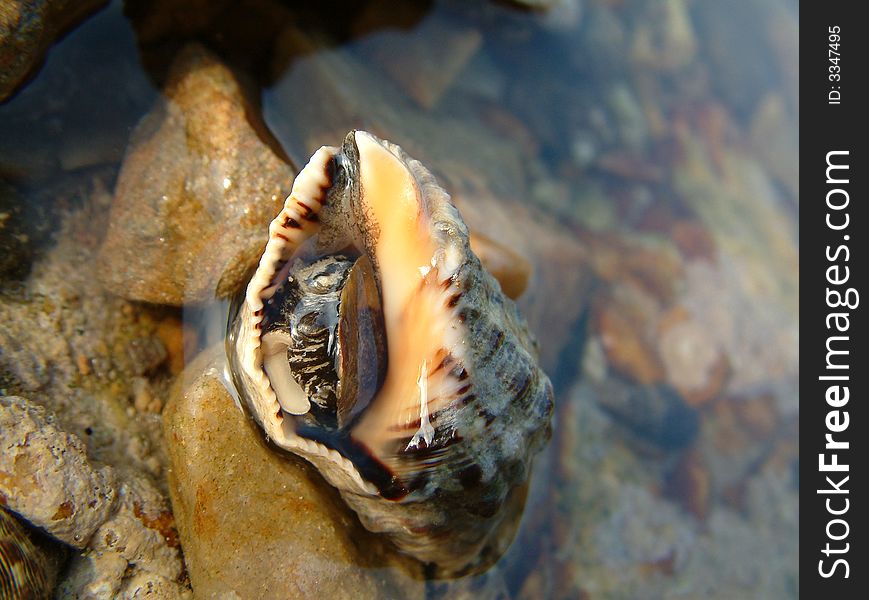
(327, 309)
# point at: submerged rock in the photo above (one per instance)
(200, 179)
(121, 523)
(256, 522)
(46, 477)
(134, 553)
(426, 61)
(27, 29)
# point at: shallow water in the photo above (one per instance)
(641, 154)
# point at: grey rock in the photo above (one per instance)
(45, 475)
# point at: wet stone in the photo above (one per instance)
(133, 552)
(654, 413)
(22, 229)
(200, 180)
(27, 29)
(426, 62)
(694, 364)
(255, 522)
(45, 475)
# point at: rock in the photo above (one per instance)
(426, 61)
(510, 268)
(82, 354)
(626, 348)
(45, 475)
(255, 521)
(664, 38)
(693, 240)
(133, 553)
(75, 349)
(654, 413)
(22, 228)
(694, 363)
(624, 317)
(196, 191)
(689, 484)
(122, 523)
(27, 29)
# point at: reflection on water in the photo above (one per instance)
(641, 154)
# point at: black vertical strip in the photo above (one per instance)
(833, 430)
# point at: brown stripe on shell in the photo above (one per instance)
(306, 210)
(290, 223)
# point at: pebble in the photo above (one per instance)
(27, 29)
(45, 475)
(426, 61)
(196, 191)
(256, 522)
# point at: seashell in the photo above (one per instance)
(372, 342)
(26, 568)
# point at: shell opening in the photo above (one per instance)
(291, 396)
(360, 273)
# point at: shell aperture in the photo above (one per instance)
(372, 342)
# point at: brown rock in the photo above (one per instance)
(27, 29)
(255, 522)
(758, 415)
(174, 336)
(197, 189)
(510, 268)
(426, 61)
(623, 327)
(693, 240)
(655, 268)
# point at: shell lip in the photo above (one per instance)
(390, 485)
(339, 193)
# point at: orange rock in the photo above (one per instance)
(694, 364)
(625, 346)
(199, 184)
(171, 332)
(255, 522)
(510, 268)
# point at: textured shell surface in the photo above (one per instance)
(25, 571)
(372, 342)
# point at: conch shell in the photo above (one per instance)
(372, 342)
